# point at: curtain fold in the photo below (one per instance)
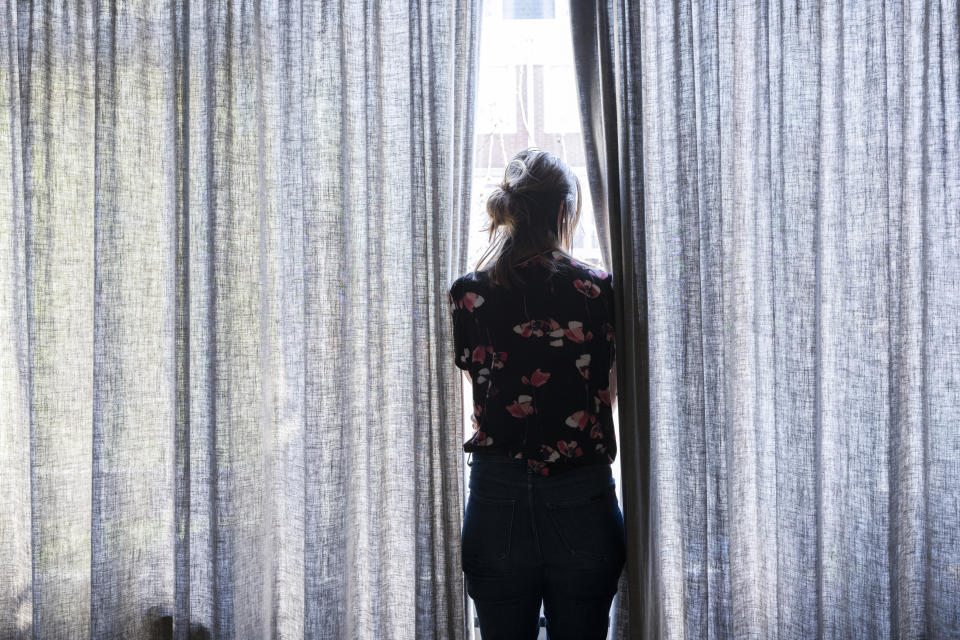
(612, 153)
(789, 180)
(226, 406)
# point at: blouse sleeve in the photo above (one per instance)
(607, 289)
(460, 317)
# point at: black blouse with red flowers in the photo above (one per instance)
(540, 359)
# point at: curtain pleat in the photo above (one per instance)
(793, 173)
(611, 153)
(227, 407)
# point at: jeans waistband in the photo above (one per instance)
(495, 457)
(490, 466)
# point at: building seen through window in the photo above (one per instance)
(526, 96)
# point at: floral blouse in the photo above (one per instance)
(539, 359)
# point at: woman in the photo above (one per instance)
(533, 331)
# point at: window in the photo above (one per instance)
(528, 9)
(497, 99)
(560, 108)
(526, 96)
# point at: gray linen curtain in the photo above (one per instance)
(781, 183)
(227, 405)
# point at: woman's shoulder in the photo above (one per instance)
(469, 291)
(470, 281)
(583, 270)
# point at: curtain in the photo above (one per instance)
(623, 248)
(781, 184)
(616, 189)
(226, 403)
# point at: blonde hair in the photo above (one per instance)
(535, 208)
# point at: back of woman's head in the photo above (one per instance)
(536, 208)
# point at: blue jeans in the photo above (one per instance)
(528, 537)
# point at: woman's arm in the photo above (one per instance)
(613, 384)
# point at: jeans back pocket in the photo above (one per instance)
(487, 529)
(590, 528)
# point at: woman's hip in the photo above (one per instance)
(507, 477)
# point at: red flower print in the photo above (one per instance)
(556, 331)
(532, 328)
(528, 329)
(521, 407)
(583, 363)
(471, 300)
(595, 432)
(498, 359)
(479, 354)
(575, 331)
(569, 448)
(580, 420)
(604, 395)
(482, 439)
(551, 454)
(537, 378)
(538, 466)
(475, 416)
(587, 288)
(598, 274)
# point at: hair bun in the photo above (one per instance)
(498, 206)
